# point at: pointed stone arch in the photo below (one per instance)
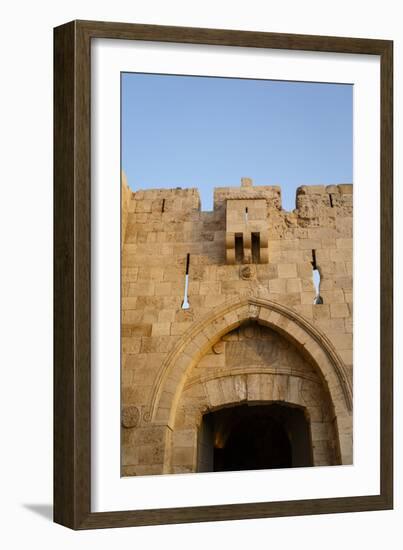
(204, 333)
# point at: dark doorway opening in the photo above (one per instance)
(254, 437)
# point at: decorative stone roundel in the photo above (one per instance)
(247, 272)
(130, 416)
(218, 348)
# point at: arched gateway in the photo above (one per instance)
(262, 355)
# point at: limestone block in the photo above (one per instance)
(185, 438)
(311, 190)
(214, 300)
(173, 274)
(322, 233)
(310, 244)
(183, 456)
(129, 274)
(246, 182)
(201, 342)
(316, 413)
(177, 329)
(131, 317)
(130, 456)
(230, 393)
(280, 387)
(210, 288)
(163, 289)
(348, 297)
(305, 270)
(294, 390)
(341, 254)
(328, 243)
(293, 285)
(293, 256)
(253, 387)
(321, 311)
(161, 329)
(306, 310)
(150, 454)
(137, 361)
(333, 296)
(319, 431)
(214, 392)
(339, 310)
(269, 317)
(322, 255)
(149, 316)
(156, 344)
(136, 330)
(141, 289)
(345, 424)
(342, 341)
(135, 394)
(346, 188)
(166, 316)
(349, 268)
(343, 282)
(344, 243)
(278, 286)
(287, 271)
(131, 345)
(346, 355)
(331, 325)
(348, 323)
(234, 287)
(266, 387)
(212, 361)
(143, 205)
(288, 245)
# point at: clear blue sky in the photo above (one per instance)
(182, 131)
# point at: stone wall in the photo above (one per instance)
(125, 200)
(163, 227)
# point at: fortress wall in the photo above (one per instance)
(164, 225)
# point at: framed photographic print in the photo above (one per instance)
(222, 199)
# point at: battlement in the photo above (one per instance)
(309, 198)
(169, 193)
(270, 193)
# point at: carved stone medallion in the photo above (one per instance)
(247, 272)
(130, 416)
(218, 348)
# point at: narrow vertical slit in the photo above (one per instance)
(255, 248)
(316, 280)
(185, 303)
(163, 205)
(331, 200)
(314, 266)
(246, 215)
(238, 248)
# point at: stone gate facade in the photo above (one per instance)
(255, 329)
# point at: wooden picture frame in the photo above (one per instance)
(72, 271)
